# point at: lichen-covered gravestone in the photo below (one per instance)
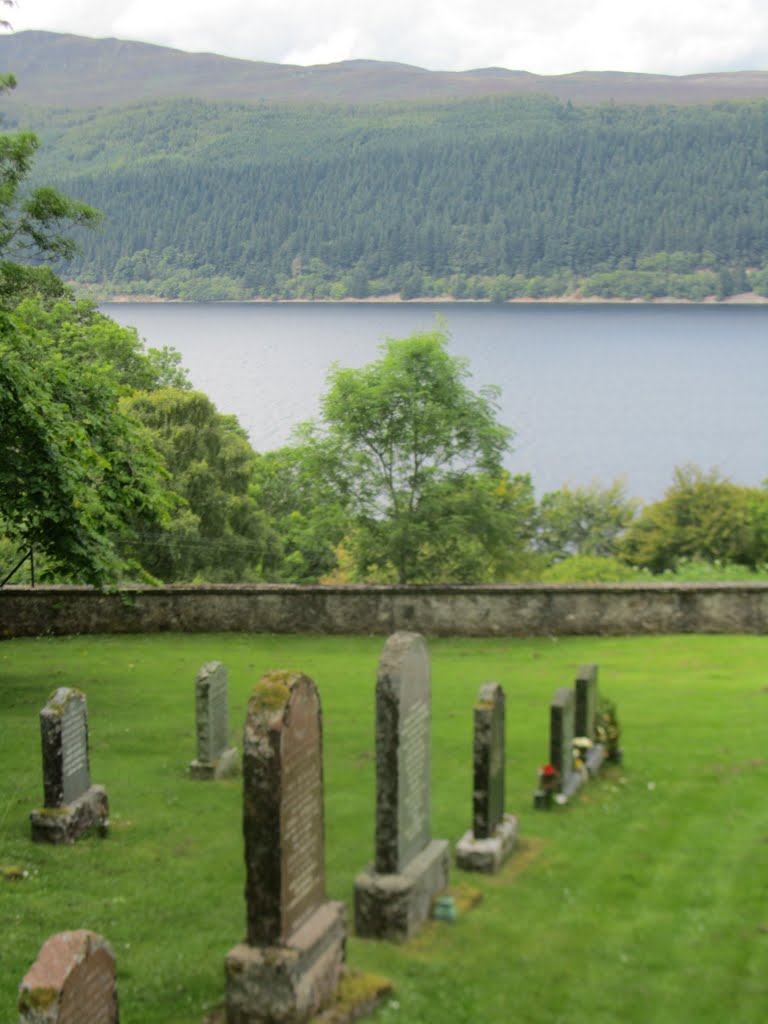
(72, 804)
(215, 758)
(585, 689)
(394, 896)
(494, 834)
(71, 982)
(289, 966)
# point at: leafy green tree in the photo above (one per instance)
(86, 334)
(216, 532)
(415, 456)
(584, 520)
(701, 517)
(304, 513)
(75, 470)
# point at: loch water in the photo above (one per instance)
(592, 391)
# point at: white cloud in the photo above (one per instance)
(544, 36)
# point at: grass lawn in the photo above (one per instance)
(645, 900)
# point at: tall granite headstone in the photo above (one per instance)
(71, 982)
(494, 834)
(394, 896)
(72, 804)
(289, 965)
(585, 689)
(215, 758)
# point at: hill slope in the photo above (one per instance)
(56, 70)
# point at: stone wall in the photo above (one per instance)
(501, 610)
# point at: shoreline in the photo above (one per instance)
(742, 299)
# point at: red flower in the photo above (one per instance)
(548, 769)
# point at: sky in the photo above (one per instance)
(548, 37)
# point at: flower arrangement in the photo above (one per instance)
(549, 779)
(581, 746)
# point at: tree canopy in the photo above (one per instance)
(416, 458)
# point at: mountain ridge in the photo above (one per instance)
(58, 70)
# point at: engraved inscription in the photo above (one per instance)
(218, 717)
(301, 813)
(74, 751)
(89, 996)
(414, 777)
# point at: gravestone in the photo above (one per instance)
(394, 896)
(493, 834)
(215, 759)
(289, 965)
(585, 689)
(71, 982)
(72, 804)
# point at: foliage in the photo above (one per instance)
(492, 198)
(589, 569)
(76, 469)
(702, 516)
(304, 513)
(216, 532)
(583, 520)
(416, 457)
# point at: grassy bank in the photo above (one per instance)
(645, 900)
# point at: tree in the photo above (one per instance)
(75, 469)
(217, 532)
(408, 445)
(584, 520)
(702, 516)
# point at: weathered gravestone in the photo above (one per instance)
(215, 759)
(72, 804)
(494, 834)
(71, 982)
(585, 714)
(289, 965)
(394, 896)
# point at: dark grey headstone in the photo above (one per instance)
(586, 701)
(212, 711)
(489, 763)
(283, 807)
(64, 734)
(561, 724)
(403, 719)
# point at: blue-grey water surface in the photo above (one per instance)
(593, 392)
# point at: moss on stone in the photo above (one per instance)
(271, 692)
(37, 998)
(357, 995)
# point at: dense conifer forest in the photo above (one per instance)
(491, 198)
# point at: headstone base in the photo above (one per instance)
(225, 767)
(487, 855)
(66, 824)
(395, 906)
(288, 984)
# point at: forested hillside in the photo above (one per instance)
(490, 198)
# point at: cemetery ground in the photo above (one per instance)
(644, 899)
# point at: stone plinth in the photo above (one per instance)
(394, 906)
(71, 982)
(288, 983)
(487, 855)
(67, 823)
